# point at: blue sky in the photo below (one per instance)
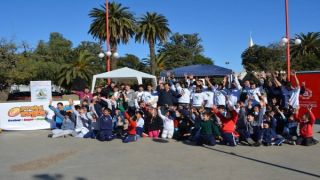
(223, 25)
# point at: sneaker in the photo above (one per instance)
(50, 135)
(257, 144)
(250, 141)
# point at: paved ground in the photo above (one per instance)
(31, 155)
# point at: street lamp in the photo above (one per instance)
(108, 54)
(286, 39)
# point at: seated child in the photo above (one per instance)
(168, 125)
(269, 136)
(228, 125)
(290, 130)
(132, 132)
(67, 127)
(119, 124)
(306, 123)
(105, 123)
(208, 131)
(140, 123)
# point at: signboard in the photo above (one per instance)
(312, 94)
(40, 91)
(27, 115)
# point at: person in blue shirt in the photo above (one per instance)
(59, 110)
(106, 126)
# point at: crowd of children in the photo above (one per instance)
(229, 112)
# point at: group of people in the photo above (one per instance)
(229, 112)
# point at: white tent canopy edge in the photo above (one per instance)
(123, 73)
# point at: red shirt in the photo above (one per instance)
(132, 127)
(228, 124)
(306, 127)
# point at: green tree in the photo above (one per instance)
(152, 27)
(200, 59)
(183, 50)
(131, 61)
(83, 67)
(310, 45)
(8, 60)
(261, 58)
(60, 49)
(121, 26)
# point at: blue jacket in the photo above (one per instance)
(58, 117)
(268, 134)
(105, 122)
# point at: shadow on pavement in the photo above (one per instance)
(160, 140)
(53, 177)
(263, 162)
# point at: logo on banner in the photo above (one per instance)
(27, 111)
(307, 94)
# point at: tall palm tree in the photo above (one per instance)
(152, 27)
(84, 67)
(121, 25)
(310, 45)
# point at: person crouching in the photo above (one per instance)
(105, 122)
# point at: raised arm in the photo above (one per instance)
(161, 115)
(276, 81)
(296, 79)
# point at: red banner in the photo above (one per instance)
(311, 96)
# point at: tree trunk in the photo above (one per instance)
(4, 94)
(152, 58)
(113, 60)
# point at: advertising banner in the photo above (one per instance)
(40, 91)
(27, 115)
(311, 95)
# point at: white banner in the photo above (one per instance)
(40, 91)
(27, 115)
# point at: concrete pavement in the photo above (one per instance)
(31, 155)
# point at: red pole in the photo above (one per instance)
(288, 38)
(107, 38)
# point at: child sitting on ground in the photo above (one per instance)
(105, 123)
(228, 125)
(306, 123)
(208, 131)
(168, 125)
(269, 136)
(132, 132)
(140, 123)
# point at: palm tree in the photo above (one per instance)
(152, 27)
(121, 25)
(310, 45)
(160, 61)
(84, 67)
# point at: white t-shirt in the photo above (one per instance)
(219, 97)
(150, 98)
(209, 98)
(185, 98)
(198, 99)
(294, 99)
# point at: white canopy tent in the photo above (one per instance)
(123, 73)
